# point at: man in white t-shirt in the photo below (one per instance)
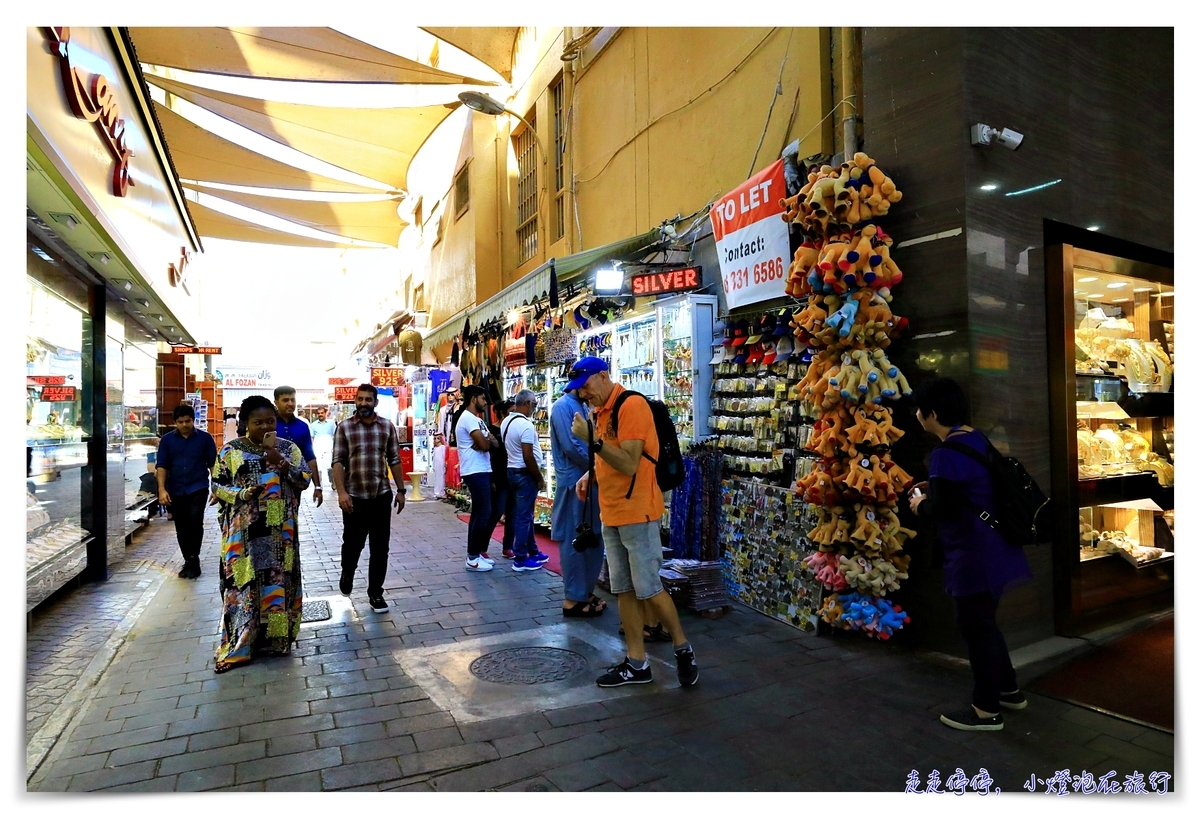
(475, 466)
(525, 480)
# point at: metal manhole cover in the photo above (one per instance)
(528, 666)
(316, 610)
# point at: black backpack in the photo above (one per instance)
(668, 468)
(1021, 507)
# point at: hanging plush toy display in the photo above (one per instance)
(845, 272)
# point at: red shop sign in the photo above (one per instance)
(671, 281)
(93, 99)
(341, 381)
(52, 394)
(45, 380)
(186, 350)
(386, 376)
(345, 394)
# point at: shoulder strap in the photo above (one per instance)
(969, 451)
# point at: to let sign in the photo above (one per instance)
(671, 281)
(52, 394)
(345, 394)
(752, 238)
(386, 376)
(184, 350)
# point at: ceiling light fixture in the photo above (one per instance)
(143, 302)
(1117, 285)
(1143, 289)
(1096, 296)
(1086, 280)
(1119, 300)
(1042, 186)
(65, 219)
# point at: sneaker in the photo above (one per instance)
(346, 585)
(378, 604)
(526, 564)
(625, 674)
(970, 720)
(484, 556)
(509, 554)
(539, 558)
(1013, 701)
(476, 564)
(685, 661)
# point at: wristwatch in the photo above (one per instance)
(597, 445)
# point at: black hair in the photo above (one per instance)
(945, 398)
(249, 406)
(469, 393)
(366, 387)
(281, 390)
(504, 408)
(183, 410)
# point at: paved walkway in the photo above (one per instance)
(774, 708)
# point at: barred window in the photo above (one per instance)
(560, 149)
(527, 187)
(462, 191)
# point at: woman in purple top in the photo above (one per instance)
(980, 564)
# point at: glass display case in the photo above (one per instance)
(1113, 437)
(56, 446)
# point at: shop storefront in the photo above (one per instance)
(107, 247)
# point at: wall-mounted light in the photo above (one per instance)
(103, 258)
(1143, 289)
(988, 187)
(1117, 285)
(142, 301)
(122, 282)
(609, 281)
(1119, 300)
(156, 316)
(1094, 228)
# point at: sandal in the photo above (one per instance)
(585, 609)
(598, 603)
(656, 634)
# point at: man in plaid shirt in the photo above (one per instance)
(364, 446)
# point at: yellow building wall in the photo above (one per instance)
(669, 118)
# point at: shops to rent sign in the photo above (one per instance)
(752, 239)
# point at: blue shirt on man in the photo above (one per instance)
(187, 460)
(298, 432)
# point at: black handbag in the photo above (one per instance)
(585, 538)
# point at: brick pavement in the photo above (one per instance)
(341, 714)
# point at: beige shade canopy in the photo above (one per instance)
(217, 225)
(310, 54)
(367, 221)
(202, 155)
(377, 143)
(492, 46)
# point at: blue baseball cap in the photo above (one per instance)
(585, 368)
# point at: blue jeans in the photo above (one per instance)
(478, 532)
(524, 492)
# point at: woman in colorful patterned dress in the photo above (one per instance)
(258, 483)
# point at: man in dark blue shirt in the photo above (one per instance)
(295, 429)
(185, 459)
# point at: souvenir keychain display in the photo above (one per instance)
(845, 273)
(763, 532)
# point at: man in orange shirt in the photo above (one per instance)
(631, 505)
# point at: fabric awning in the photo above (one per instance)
(573, 269)
(491, 45)
(377, 143)
(312, 54)
(216, 225)
(368, 221)
(201, 155)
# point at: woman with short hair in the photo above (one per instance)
(258, 483)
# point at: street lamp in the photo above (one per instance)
(484, 104)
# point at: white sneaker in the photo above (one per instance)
(478, 564)
(486, 558)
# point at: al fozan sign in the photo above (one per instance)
(244, 377)
(752, 239)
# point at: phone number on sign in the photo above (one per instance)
(763, 272)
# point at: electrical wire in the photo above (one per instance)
(574, 47)
(694, 99)
(778, 93)
(822, 119)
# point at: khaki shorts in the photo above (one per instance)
(634, 558)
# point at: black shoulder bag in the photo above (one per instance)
(585, 538)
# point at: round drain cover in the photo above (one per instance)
(528, 666)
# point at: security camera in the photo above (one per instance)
(1006, 137)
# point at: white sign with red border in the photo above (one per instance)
(752, 239)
